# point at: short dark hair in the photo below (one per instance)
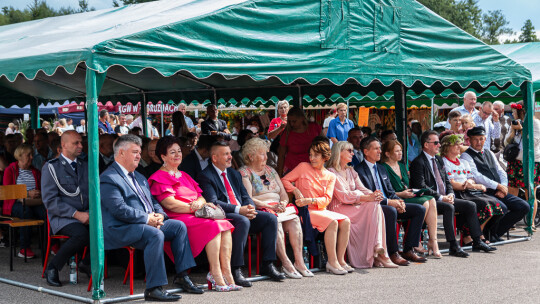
(386, 133)
(425, 136)
(366, 130)
(321, 147)
(164, 144)
(454, 114)
(242, 136)
(364, 144)
(355, 129)
(102, 113)
(217, 144)
(55, 144)
(205, 142)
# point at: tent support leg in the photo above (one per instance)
(94, 83)
(528, 144)
(34, 113)
(144, 115)
(401, 117)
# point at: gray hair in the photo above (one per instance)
(469, 93)
(122, 115)
(129, 117)
(337, 148)
(123, 141)
(498, 103)
(282, 102)
(251, 147)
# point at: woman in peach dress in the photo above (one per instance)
(313, 187)
(367, 243)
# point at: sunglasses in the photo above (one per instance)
(349, 150)
(435, 142)
(266, 182)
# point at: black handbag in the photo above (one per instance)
(511, 151)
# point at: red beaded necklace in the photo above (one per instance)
(456, 162)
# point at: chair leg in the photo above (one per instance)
(131, 257)
(249, 255)
(89, 284)
(11, 248)
(259, 235)
(46, 256)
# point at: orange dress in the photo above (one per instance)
(317, 184)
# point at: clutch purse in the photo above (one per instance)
(210, 213)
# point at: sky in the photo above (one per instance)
(515, 11)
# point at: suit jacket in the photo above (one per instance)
(208, 125)
(124, 216)
(364, 172)
(61, 207)
(214, 190)
(355, 161)
(422, 177)
(102, 165)
(190, 164)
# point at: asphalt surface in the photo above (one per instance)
(510, 275)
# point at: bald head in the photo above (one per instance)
(71, 143)
(469, 100)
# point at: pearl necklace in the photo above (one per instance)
(173, 173)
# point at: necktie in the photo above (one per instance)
(74, 166)
(230, 192)
(377, 184)
(148, 206)
(438, 178)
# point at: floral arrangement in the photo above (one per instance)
(453, 139)
(516, 106)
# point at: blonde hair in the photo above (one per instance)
(335, 158)
(22, 149)
(251, 147)
(469, 120)
(341, 105)
(62, 122)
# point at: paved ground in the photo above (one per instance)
(511, 275)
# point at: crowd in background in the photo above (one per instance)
(340, 183)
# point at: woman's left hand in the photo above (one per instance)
(197, 204)
(303, 202)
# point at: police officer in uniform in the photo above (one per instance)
(64, 187)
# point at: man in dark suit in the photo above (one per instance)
(64, 189)
(214, 126)
(355, 136)
(197, 159)
(487, 171)
(223, 185)
(106, 156)
(427, 172)
(375, 177)
(132, 217)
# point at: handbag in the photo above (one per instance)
(210, 213)
(511, 151)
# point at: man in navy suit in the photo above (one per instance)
(132, 217)
(213, 125)
(355, 136)
(64, 189)
(197, 159)
(375, 177)
(223, 185)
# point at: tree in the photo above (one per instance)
(127, 2)
(528, 33)
(494, 26)
(465, 14)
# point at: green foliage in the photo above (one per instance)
(528, 33)
(495, 25)
(127, 2)
(39, 10)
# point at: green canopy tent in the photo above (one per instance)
(223, 49)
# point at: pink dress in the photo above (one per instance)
(185, 189)
(318, 184)
(366, 218)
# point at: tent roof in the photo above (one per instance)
(212, 49)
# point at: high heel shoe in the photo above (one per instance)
(334, 270)
(385, 262)
(305, 273)
(436, 254)
(378, 251)
(233, 287)
(212, 284)
(293, 275)
(347, 267)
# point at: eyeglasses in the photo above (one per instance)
(266, 182)
(350, 150)
(434, 142)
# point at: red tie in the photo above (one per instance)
(230, 192)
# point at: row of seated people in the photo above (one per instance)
(348, 204)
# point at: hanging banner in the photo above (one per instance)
(151, 108)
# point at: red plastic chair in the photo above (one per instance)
(129, 270)
(259, 236)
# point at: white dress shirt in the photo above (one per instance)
(429, 157)
(482, 179)
(219, 172)
(202, 161)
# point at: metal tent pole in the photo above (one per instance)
(162, 106)
(432, 111)
(94, 82)
(34, 114)
(401, 116)
(528, 145)
(144, 116)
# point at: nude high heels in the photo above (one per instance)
(435, 253)
(334, 270)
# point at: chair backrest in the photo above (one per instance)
(10, 192)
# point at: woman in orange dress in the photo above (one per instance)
(313, 187)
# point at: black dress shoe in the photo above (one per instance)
(495, 238)
(52, 277)
(271, 271)
(85, 269)
(239, 279)
(458, 252)
(157, 294)
(185, 283)
(480, 245)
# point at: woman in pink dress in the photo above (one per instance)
(295, 140)
(313, 187)
(367, 243)
(180, 197)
